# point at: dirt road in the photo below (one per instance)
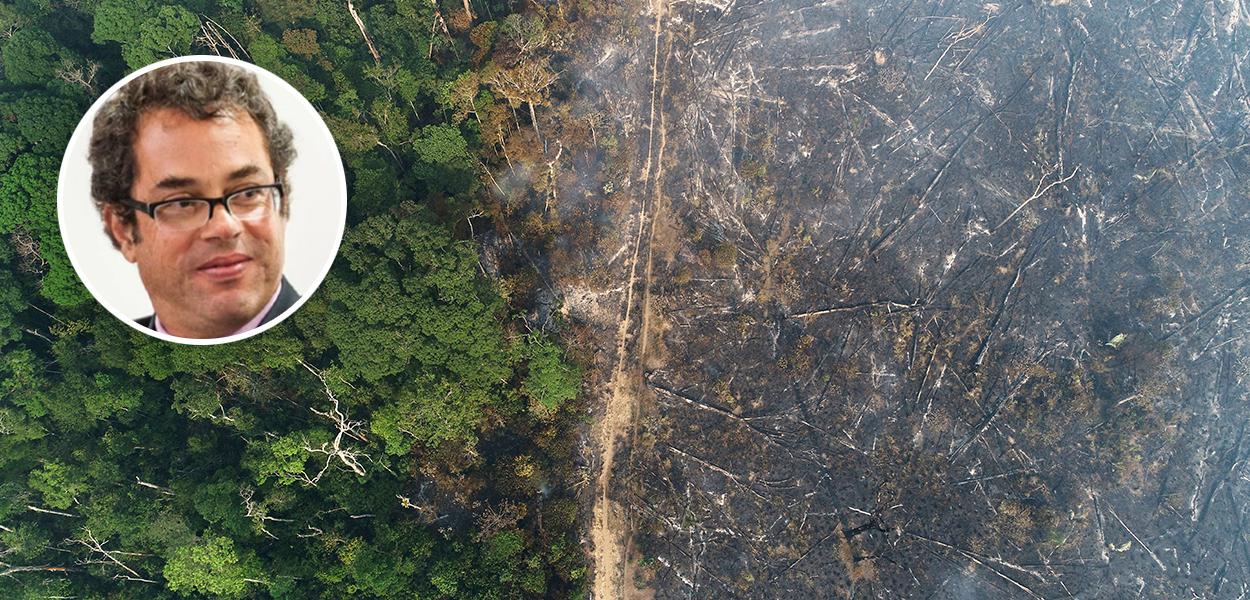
(609, 527)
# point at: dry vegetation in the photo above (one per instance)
(946, 300)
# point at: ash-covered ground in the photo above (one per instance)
(926, 300)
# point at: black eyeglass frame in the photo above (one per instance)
(150, 208)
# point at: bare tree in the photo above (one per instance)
(334, 450)
(28, 251)
(83, 75)
(257, 512)
(108, 557)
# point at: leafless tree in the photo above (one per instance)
(335, 450)
(99, 555)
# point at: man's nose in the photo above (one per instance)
(221, 224)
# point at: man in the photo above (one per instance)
(189, 173)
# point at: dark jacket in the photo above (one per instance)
(287, 297)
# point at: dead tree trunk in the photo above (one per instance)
(534, 121)
(9, 571)
(377, 59)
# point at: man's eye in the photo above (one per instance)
(180, 207)
(250, 199)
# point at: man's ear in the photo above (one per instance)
(123, 233)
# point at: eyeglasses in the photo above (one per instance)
(248, 204)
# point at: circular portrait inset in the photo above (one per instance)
(202, 200)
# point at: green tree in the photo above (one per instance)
(46, 121)
(29, 192)
(446, 167)
(285, 458)
(269, 53)
(58, 483)
(526, 33)
(167, 33)
(551, 381)
(12, 300)
(116, 20)
(461, 95)
(285, 12)
(24, 542)
(213, 566)
(32, 56)
(146, 31)
(432, 412)
(22, 381)
(422, 305)
(352, 136)
(80, 400)
(423, 311)
(123, 348)
(374, 185)
(384, 567)
(10, 146)
(218, 502)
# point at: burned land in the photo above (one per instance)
(915, 299)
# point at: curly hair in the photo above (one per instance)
(201, 90)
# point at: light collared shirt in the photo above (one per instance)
(250, 325)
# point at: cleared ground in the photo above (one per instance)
(925, 300)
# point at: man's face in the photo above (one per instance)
(209, 281)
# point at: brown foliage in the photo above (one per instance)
(460, 21)
(301, 41)
(527, 82)
(482, 36)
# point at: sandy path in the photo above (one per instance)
(609, 528)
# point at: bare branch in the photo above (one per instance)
(1134, 536)
(94, 545)
(377, 58)
(347, 457)
(1038, 192)
(76, 74)
(49, 512)
(10, 571)
(163, 490)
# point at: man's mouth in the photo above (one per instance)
(225, 267)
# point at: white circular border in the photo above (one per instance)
(84, 129)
